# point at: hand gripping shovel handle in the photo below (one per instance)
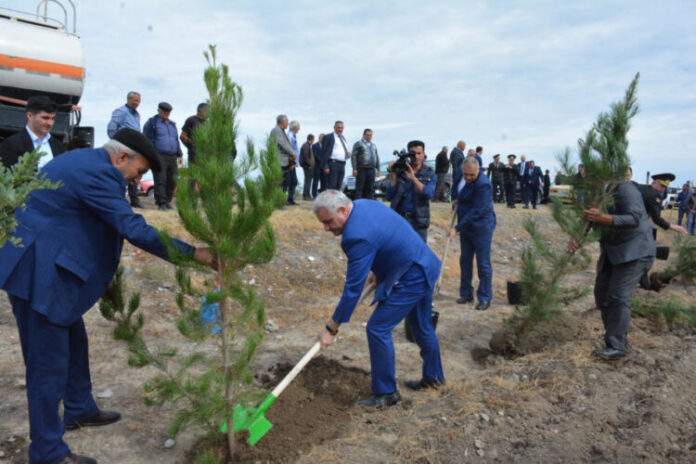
(444, 257)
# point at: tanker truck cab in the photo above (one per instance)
(40, 54)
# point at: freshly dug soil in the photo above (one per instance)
(314, 408)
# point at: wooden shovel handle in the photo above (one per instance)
(296, 370)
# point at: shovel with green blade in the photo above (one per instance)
(253, 419)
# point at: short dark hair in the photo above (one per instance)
(415, 143)
(366, 131)
(41, 103)
(479, 149)
(310, 137)
(201, 106)
(338, 122)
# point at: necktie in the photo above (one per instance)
(340, 137)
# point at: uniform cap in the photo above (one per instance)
(664, 179)
(139, 144)
(496, 156)
(512, 157)
(164, 106)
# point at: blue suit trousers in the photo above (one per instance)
(411, 298)
(57, 368)
(478, 243)
(336, 172)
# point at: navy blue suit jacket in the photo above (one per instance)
(475, 211)
(535, 176)
(72, 237)
(376, 238)
(327, 146)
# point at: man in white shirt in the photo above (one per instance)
(41, 115)
(334, 155)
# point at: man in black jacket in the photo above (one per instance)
(441, 167)
(307, 164)
(365, 161)
(41, 114)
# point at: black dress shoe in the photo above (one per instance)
(380, 401)
(162, 208)
(465, 299)
(423, 384)
(77, 459)
(100, 418)
(136, 204)
(483, 305)
(609, 354)
(169, 206)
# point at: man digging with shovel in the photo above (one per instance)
(377, 239)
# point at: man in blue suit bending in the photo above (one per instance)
(71, 244)
(375, 238)
(476, 223)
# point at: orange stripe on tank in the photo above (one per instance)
(41, 66)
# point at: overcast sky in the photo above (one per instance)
(515, 77)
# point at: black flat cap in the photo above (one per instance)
(164, 106)
(140, 144)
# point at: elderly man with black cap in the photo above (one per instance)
(161, 131)
(71, 241)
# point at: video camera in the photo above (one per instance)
(403, 157)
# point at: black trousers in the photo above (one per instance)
(336, 172)
(440, 187)
(510, 193)
(365, 183)
(133, 193)
(308, 177)
(498, 190)
(165, 179)
(317, 176)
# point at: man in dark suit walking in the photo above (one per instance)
(535, 179)
(72, 239)
(307, 164)
(511, 175)
(41, 114)
(523, 171)
(334, 154)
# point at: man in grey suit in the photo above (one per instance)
(627, 250)
(285, 152)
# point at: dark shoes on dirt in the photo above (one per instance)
(465, 299)
(381, 401)
(483, 305)
(423, 384)
(609, 354)
(100, 418)
(76, 459)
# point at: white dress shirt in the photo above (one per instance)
(43, 147)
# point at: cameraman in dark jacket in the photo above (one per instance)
(411, 187)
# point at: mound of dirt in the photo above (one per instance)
(315, 407)
(512, 341)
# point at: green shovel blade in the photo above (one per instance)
(251, 419)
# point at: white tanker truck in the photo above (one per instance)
(40, 55)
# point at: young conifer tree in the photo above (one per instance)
(16, 183)
(224, 201)
(604, 154)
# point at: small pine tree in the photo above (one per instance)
(16, 183)
(604, 154)
(223, 201)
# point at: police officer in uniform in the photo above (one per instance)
(510, 176)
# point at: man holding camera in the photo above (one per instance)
(411, 187)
